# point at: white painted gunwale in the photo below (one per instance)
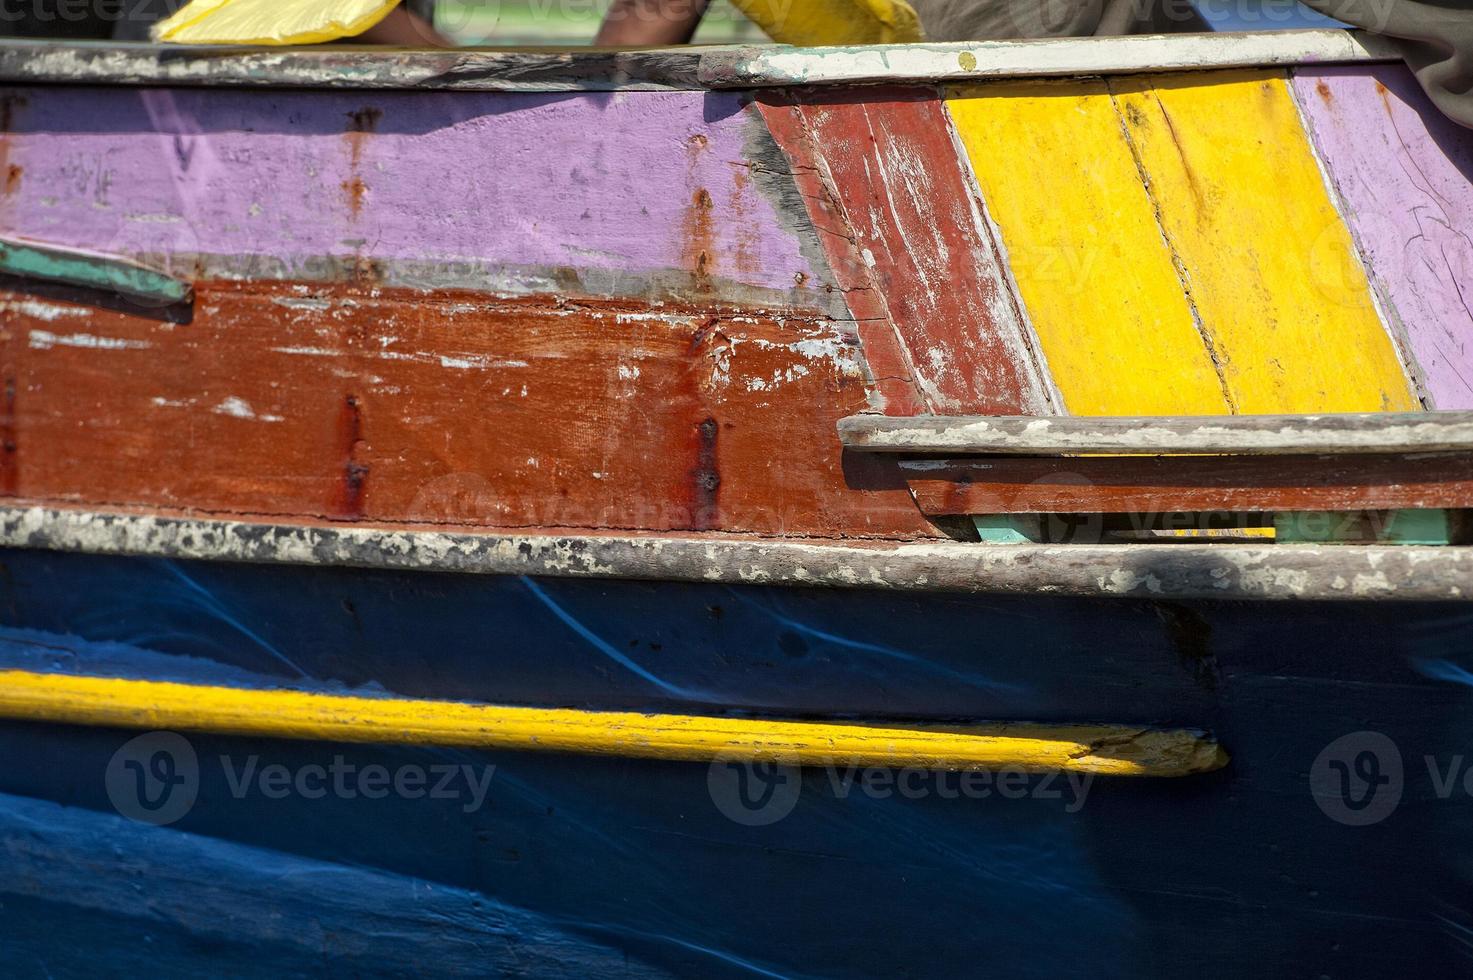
(959, 62)
(689, 68)
(1182, 571)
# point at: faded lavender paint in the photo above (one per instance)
(1405, 174)
(630, 183)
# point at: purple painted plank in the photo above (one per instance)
(1406, 175)
(528, 187)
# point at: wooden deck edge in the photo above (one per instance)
(1368, 433)
(1165, 571)
(718, 67)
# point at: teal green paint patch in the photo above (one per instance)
(1009, 528)
(73, 267)
(1433, 527)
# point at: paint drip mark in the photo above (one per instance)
(700, 234)
(13, 174)
(8, 105)
(361, 122)
(705, 476)
(353, 483)
(9, 449)
(699, 252)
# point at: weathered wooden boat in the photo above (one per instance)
(798, 472)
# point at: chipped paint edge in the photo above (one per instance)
(588, 70)
(1351, 433)
(756, 67)
(1226, 571)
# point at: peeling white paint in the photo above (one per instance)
(43, 311)
(45, 340)
(1295, 572)
(241, 409)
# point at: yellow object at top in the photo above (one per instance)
(271, 21)
(813, 22)
(316, 21)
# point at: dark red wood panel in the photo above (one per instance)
(1166, 484)
(359, 402)
(912, 223)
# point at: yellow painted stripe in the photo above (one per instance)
(1267, 258)
(1085, 248)
(123, 703)
(1176, 248)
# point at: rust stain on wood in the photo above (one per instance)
(361, 123)
(358, 401)
(9, 447)
(705, 476)
(699, 237)
(355, 190)
(348, 500)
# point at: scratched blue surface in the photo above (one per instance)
(584, 867)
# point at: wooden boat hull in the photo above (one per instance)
(577, 865)
(504, 382)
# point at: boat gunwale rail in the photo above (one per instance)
(24, 61)
(1362, 433)
(1131, 571)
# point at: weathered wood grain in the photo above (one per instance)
(375, 403)
(1166, 242)
(650, 194)
(1261, 246)
(1354, 433)
(1403, 171)
(1180, 484)
(893, 384)
(1159, 572)
(934, 268)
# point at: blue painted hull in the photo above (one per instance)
(573, 866)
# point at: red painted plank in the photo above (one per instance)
(1169, 484)
(891, 376)
(361, 402)
(913, 223)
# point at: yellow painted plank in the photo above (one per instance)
(1086, 249)
(1267, 258)
(1176, 248)
(120, 702)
